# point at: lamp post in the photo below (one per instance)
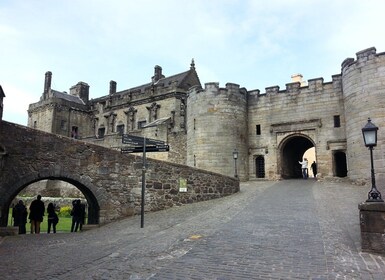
(369, 131)
(235, 157)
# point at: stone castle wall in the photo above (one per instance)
(110, 181)
(307, 111)
(205, 126)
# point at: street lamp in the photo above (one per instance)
(235, 157)
(369, 131)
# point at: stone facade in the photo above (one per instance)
(271, 129)
(110, 181)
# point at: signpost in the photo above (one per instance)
(142, 145)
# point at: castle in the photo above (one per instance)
(231, 130)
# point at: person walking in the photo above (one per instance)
(36, 213)
(313, 167)
(19, 215)
(53, 219)
(304, 165)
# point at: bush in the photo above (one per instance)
(65, 211)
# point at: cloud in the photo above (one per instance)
(242, 41)
(16, 104)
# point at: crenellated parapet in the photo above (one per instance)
(362, 57)
(230, 89)
(312, 85)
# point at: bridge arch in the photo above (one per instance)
(108, 179)
(291, 150)
(15, 187)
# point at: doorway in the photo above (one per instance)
(340, 166)
(260, 167)
(292, 150)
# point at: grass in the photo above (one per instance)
(64, 224)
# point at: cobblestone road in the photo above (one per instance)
(292, 229)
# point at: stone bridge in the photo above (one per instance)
(110, 181)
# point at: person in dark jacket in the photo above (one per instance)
(53, 219)
(313, 167)
(76, 214)
(36, 213)
(19, 215)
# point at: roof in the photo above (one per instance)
(66, 96)
(183, 80)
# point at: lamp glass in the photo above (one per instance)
(370, 137)
(235, 155)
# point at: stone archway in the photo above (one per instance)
(93, 205)
(291, 150)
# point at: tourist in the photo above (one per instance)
(19, 215)
(76, 215)
(304, 164)
(36, 213)
(314, 169)
(53, 219)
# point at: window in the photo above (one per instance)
(34, 124)
(101, 132)
(63, 125)
(120, 129)
(258, 129)
(141, 124)
(337, 122)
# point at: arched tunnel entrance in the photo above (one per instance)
(92, 204)
(292, 150)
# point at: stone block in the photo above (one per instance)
(372, 224)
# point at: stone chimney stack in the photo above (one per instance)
(112, 87)
(47, 84)
(81, 90)
(298, 78)
(157, 74)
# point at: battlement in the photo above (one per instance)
(230, 88)
(361, 57)
(316, 84)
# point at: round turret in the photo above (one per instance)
(216, 127)
(363, 92)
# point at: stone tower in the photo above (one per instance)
(216, 126)
(363, 92)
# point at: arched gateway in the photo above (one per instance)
(19, 185)
(291, 150)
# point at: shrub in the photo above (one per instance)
(65, 211)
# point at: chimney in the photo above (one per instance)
(298, 78)
(112, 87)
(47, 84)
(157, 74)
(81, 90)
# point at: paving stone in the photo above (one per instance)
(292, 229)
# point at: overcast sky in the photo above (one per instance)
(255, 44)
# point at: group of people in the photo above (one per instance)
(304, 167)
(78, 214)
(36, 214)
